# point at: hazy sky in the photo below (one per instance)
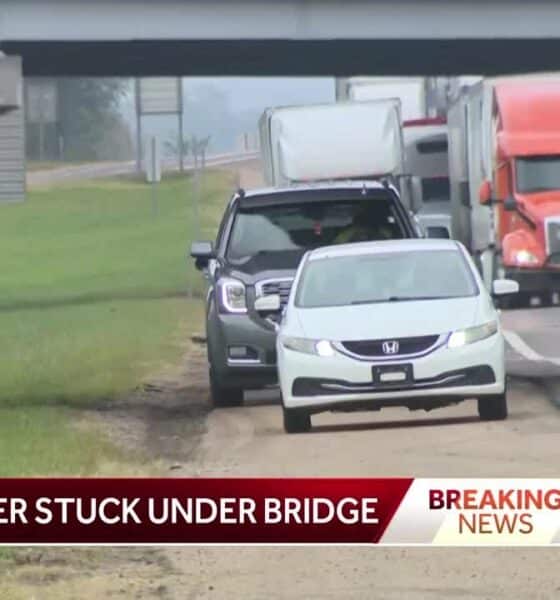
(261, 92)
(244, 96)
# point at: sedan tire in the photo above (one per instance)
(493, 408)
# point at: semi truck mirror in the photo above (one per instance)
(485, 193)
(510, 204)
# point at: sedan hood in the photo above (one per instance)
(389, 319)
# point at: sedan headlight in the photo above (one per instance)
(472, 334)
(317, 347)
(524, 257)
(234, 298)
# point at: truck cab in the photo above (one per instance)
(523, 185)
(425, 143)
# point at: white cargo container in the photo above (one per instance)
(351, 140)
(411, 91)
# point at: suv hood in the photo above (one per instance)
(265, 265)
(390, 319)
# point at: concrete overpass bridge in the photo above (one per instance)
(280, 37)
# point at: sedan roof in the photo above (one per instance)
(383, 247)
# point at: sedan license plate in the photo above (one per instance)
(392, 375)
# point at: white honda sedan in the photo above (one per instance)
(396, 323)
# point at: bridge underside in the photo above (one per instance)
(286, 57)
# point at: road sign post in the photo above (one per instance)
(159, 96)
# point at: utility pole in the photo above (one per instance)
(138, 125)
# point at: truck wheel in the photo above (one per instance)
(493, 408)
(296, 421)
(222, 396)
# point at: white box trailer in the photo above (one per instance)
(411, 91)
(351, 140)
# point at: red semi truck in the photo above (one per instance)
(504, 158)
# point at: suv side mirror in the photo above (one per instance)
(504, 287)
(510, 204)
(485, 193)
(202, 252)
(269, 303)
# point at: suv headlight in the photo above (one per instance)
(472, 334)
(317, 347)
(233, 295)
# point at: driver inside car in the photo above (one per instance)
(366, 225)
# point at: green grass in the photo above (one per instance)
(92, 298)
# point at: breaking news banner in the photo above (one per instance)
(393, 511)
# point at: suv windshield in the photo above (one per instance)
(538, 173)
(300, 227)
(387, 277)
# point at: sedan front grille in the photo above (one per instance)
(390, 348)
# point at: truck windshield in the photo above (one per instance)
(388, 277)
(303, 226)
(538, 173)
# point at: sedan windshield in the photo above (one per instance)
(538, 174)
(300, 227)
(388, 277)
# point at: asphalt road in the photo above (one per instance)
(450, 442)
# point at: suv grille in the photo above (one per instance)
(281, 287)
(553, 237)
(374, 348)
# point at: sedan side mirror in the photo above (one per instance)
(510, 204)
(269, 303)
(202, 252)
(504, 287)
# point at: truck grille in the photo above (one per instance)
(405, 346)
(553, 237)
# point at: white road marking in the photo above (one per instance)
(521, 347)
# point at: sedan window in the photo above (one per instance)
(388, 277)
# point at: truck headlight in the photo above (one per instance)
(524, 257)
(317, 347)
(473, 334)
(233, 295)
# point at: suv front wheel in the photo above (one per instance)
(222, 396)
(296, 421)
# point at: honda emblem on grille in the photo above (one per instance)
(391, 347)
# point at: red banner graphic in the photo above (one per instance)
(230, 511)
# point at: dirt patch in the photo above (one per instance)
(53, 573)
(161, 422)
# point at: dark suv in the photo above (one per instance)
(261, 239)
